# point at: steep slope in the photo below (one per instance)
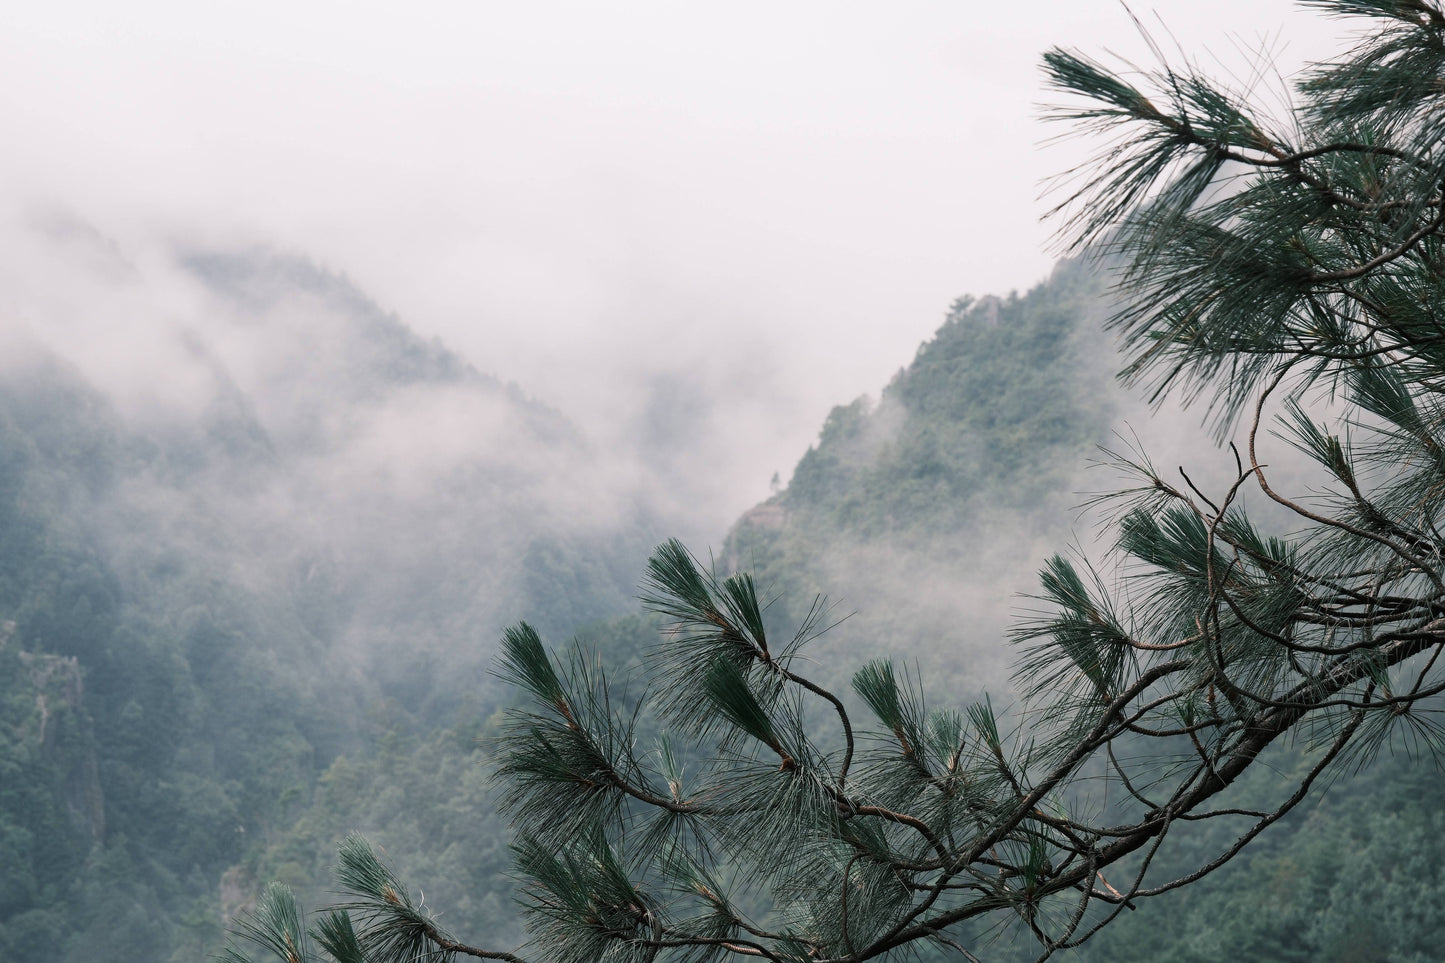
(248, 522)
(979, 436)
(249, 593)
(923, 515)
(929, 509)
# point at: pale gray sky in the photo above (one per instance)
(774, 201)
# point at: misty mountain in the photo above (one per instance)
(242, 511)
(923, 512)
(925, 515)
(275, 548)
(308, 442)
(258, 539)
(922, 516)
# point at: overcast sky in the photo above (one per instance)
(776, 200)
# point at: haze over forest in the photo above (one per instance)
(333, 342)
(767, 205)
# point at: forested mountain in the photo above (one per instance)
(301, 536)
(921, 513)
(248, 600)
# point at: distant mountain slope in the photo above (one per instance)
(992, 415)
(929, 509)
(244, 514)
(251, 578)
(978, 439)
(926, 512)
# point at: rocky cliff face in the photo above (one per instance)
(46, 733)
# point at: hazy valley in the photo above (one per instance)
(258, 541)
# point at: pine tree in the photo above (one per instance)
(1284, 271)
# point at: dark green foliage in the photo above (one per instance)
(729, 696)
(334, 933)
(275, 926)
(1086, 631)
(994, 413)
(876, 684)
(393, 928)
(524, 663)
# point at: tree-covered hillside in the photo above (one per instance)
(298, 542)
(921, 515)
(993, 415)
(282, 639)
(948, 493)
(933, 500)
(232, 633)
(1326, 883)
